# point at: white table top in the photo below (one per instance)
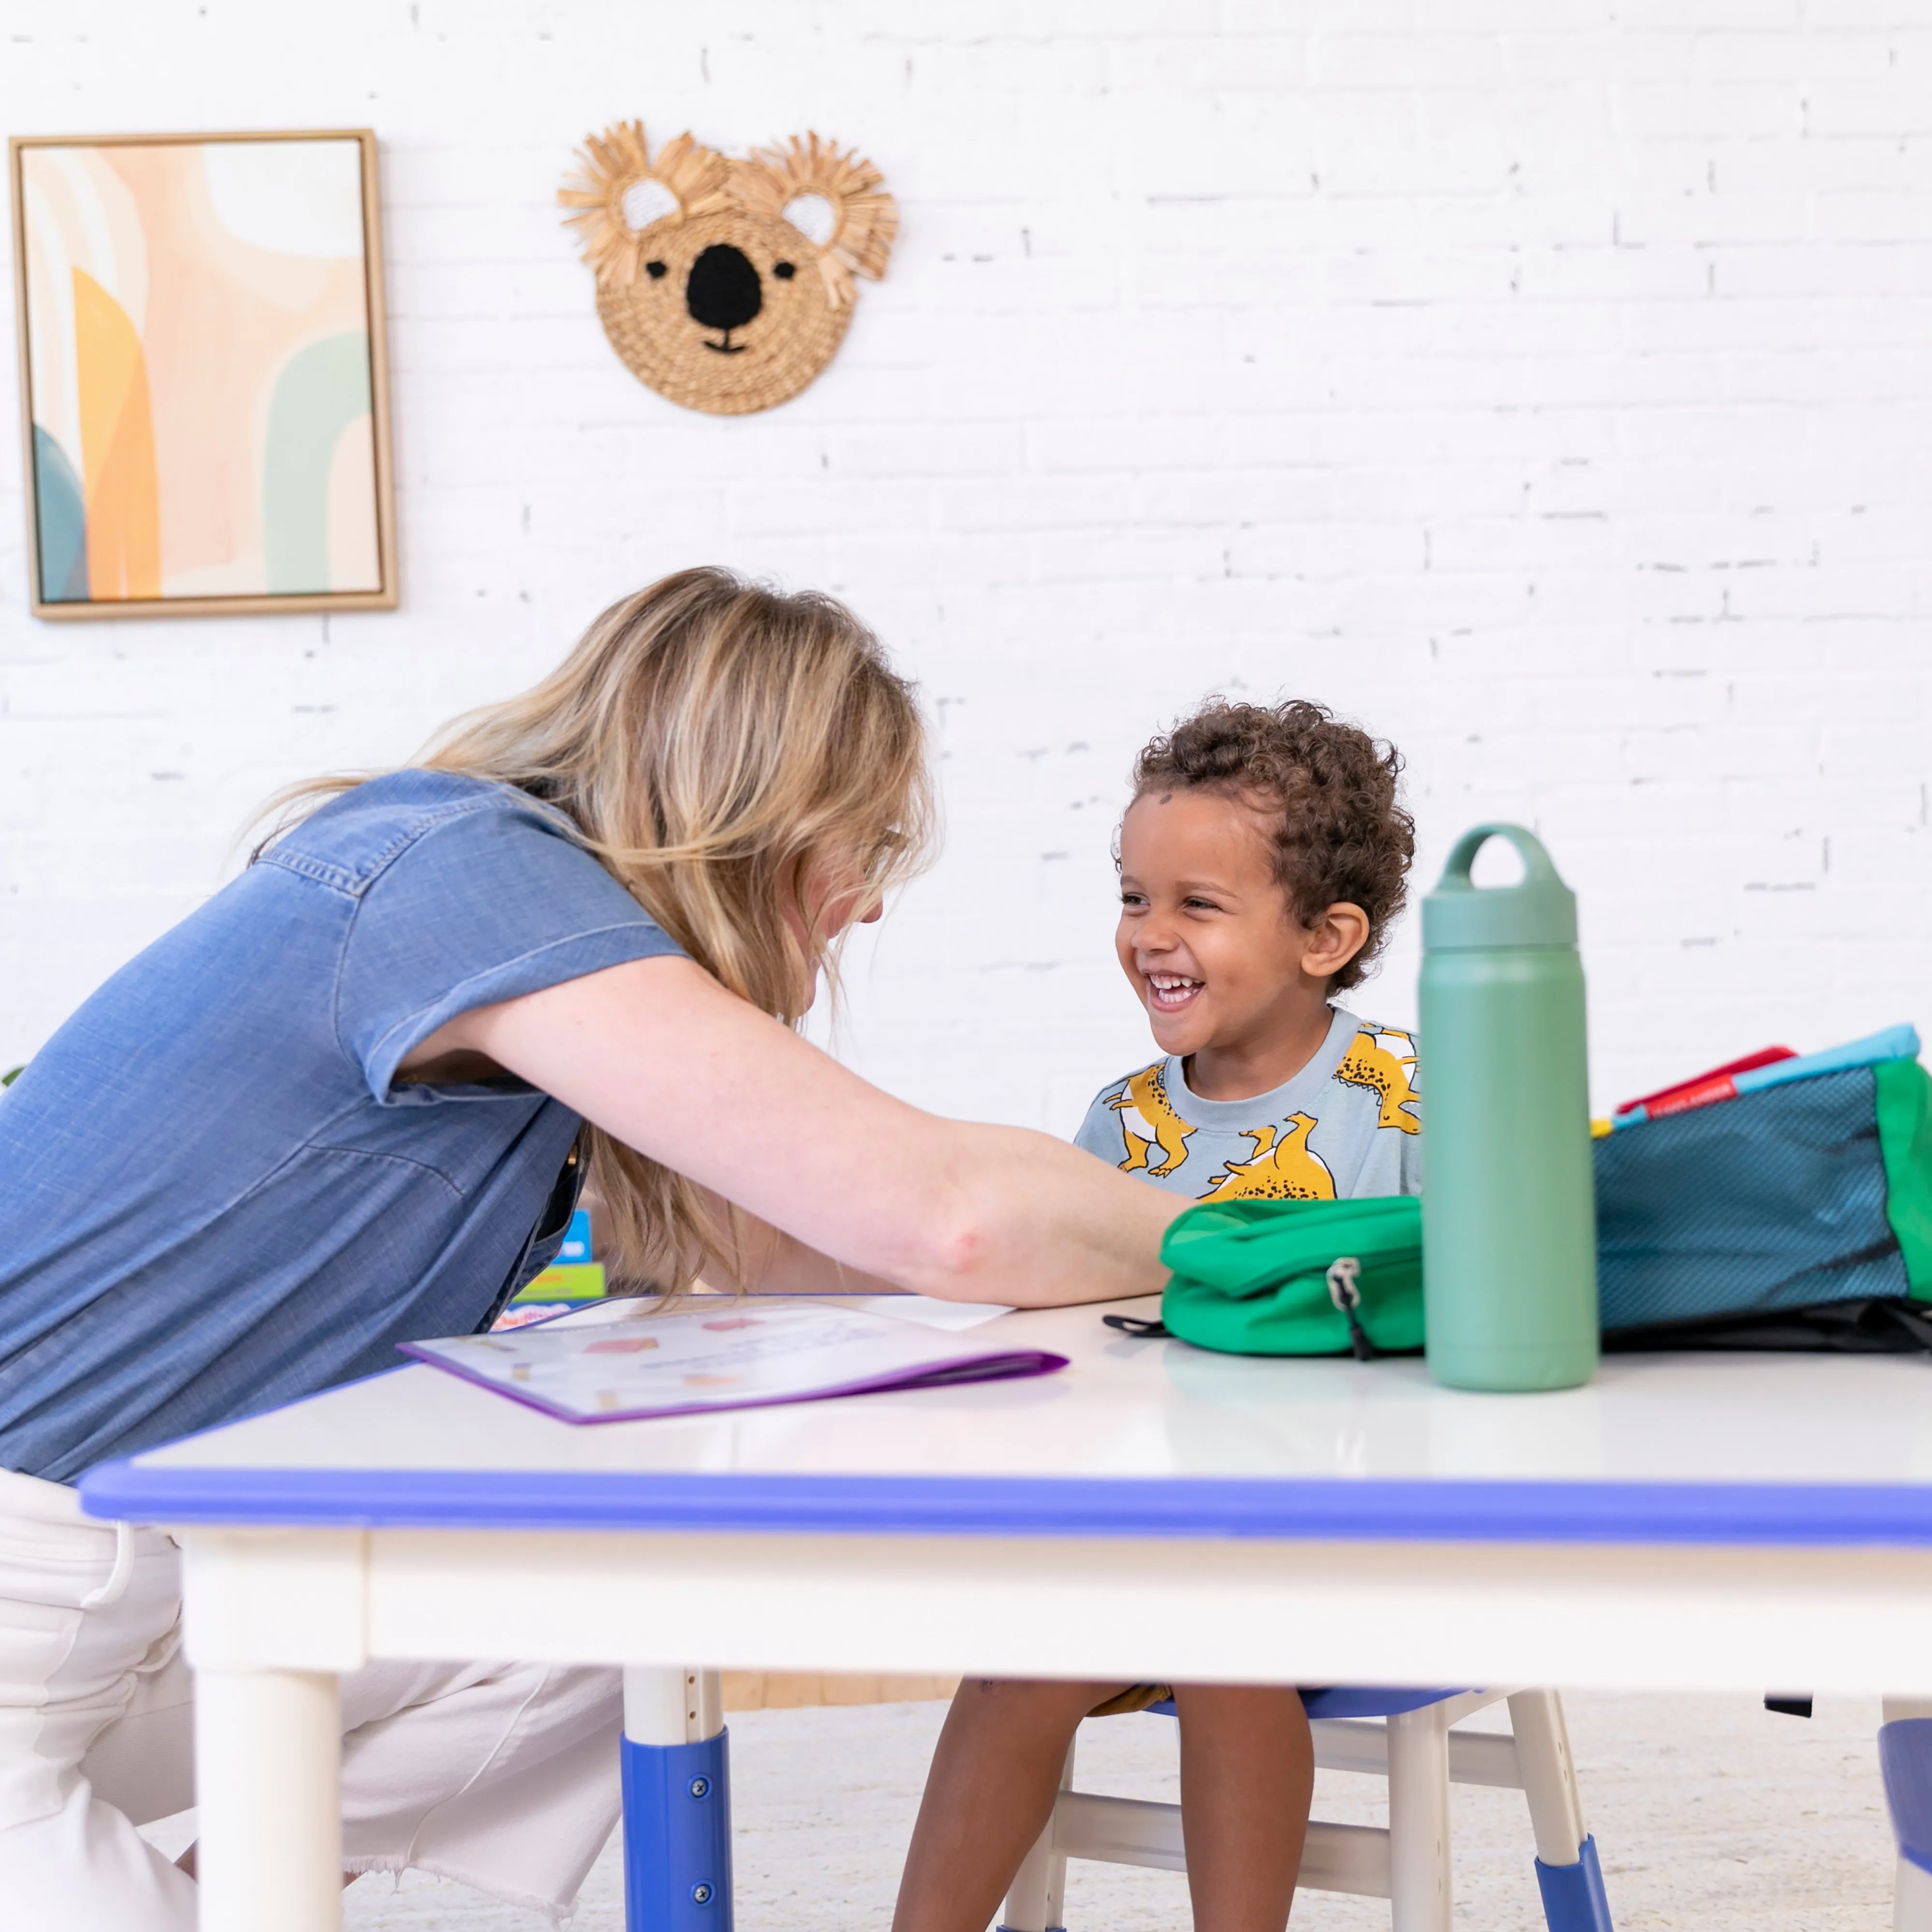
(1140, 1437)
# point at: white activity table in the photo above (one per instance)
(1154, 1512)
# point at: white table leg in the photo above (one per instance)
(268, 1757)
(672, 1707)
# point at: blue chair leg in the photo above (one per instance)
(1905, 1761)
(677, 1836)
(1572, 1895)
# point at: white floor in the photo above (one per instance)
(1709, 1812)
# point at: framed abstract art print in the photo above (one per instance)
(204, 394)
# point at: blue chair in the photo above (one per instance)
(1405, 1735)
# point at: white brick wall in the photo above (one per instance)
(1546, 382)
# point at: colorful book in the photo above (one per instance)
(572, 1279)
(734, 1354)
(1718, 1084)
(1774, 1068)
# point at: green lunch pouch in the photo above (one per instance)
(1297, 1277)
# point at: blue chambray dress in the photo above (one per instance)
(213, 1198)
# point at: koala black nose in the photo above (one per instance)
(723, 290)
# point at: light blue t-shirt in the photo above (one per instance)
(1348, 1124)
(213, 1199)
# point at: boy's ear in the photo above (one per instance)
(1335, 936)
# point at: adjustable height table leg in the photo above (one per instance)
(677, 1802)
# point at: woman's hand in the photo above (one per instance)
(659, 1054)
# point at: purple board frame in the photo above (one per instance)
(1824, 1515)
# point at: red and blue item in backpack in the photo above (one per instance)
(1785, 1204)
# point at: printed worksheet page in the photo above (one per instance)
(738, 1355)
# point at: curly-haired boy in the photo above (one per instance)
(1262, 860)
(1263, 857)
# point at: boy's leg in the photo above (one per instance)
(994, 1776)
(1247, 1778)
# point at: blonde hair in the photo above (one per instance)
(728, 753)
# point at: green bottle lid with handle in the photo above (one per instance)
(1509, 1225)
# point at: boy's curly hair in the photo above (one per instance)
(1329, 789)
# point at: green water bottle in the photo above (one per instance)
(1509, 1222)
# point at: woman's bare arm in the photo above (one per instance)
(659, 1054)
(780, 1263)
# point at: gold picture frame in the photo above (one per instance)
(204, 377)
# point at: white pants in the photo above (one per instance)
(503, 1776)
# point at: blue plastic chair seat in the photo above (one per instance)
(1351, 1700)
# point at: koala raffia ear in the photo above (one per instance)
(620, 193)
(832, 199)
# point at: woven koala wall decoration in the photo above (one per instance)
(726, 285)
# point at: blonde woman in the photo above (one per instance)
(349, 1101)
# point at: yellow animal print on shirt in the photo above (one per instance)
(1283, 1167)
(1147, 1120)
(1368, 1062)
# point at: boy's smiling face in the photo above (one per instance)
(1228, 974)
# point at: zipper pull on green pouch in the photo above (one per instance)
(1345, 1275)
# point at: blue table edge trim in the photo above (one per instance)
(1185, 1507)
